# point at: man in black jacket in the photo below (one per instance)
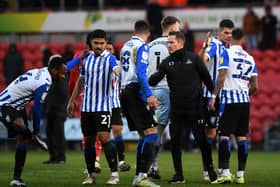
(55, 111)
(185, 72)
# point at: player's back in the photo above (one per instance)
(158, 52)
(128, 57)
(241, 67)
(21, 90)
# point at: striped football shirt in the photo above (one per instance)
(97, 72)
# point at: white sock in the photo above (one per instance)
(142, 175)
(145, 175)
(205, 173)
(239, 174)
(97, 159)
(226, 172)
(115, 174)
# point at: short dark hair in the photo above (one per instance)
(237, 34)
(110, 41)
(141, 26)
(55, 62)
(167, 21)
(98, 33)
(179, 35)
(226, 23)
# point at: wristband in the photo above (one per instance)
(213, 96)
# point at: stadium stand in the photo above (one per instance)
(265, 105)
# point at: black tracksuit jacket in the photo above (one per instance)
(185, 73)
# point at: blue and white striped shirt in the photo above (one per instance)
(34, 84)
(213, 52)
(241, 67)
(97, 72)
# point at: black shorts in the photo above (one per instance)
(8, 115)
(93, 122)
(116, 117)
(235, 119)
(211, 117)
(138, 116)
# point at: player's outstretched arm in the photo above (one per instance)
(205, 45)
(75, 61)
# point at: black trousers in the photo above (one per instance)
(55, 137)
(179, 124)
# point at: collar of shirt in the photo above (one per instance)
(236, 47)
(217, 40)
(137, 38)
(179, 54)
(104, 53)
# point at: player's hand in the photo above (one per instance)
(212, 104)
(70, 108)
(207, 40)
(85, 54)
(152, 102)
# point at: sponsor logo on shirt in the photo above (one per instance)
(221, 60)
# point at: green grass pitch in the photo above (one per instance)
(263, 169)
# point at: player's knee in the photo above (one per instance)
(224, 137)
(104, 137)
(18, 123)
(117, 130)
(152, 130)
(241, 138)
(211, 133)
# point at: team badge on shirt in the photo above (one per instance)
(145, 55)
